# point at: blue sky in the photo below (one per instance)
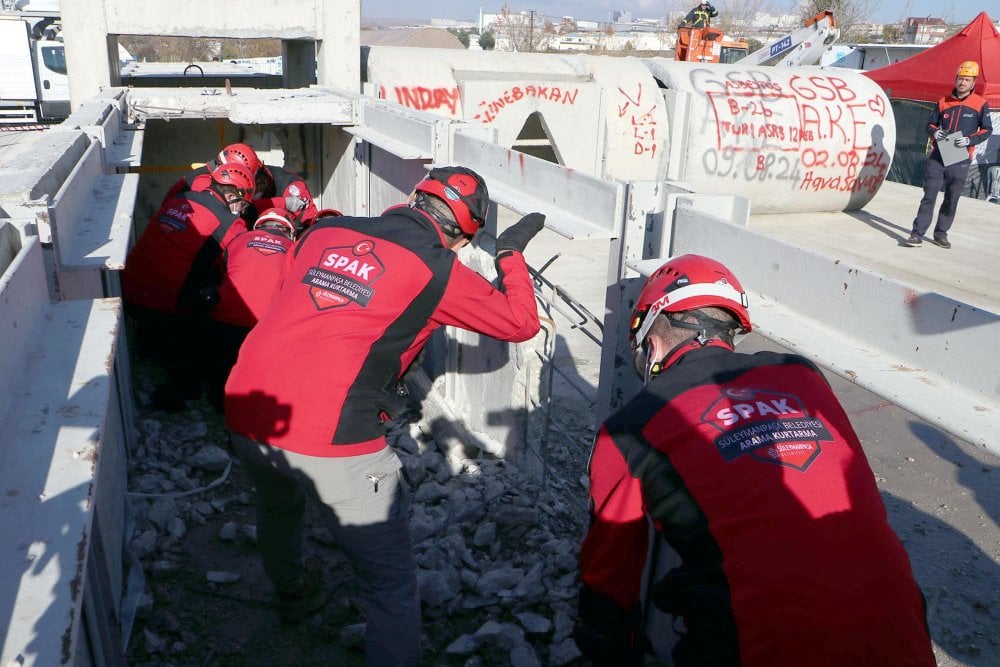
(885, 10)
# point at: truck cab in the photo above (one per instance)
(34, 87)
(52, 80)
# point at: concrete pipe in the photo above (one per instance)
(791, 139)
(599, 115)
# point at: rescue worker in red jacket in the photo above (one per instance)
(358, 302)
(231, 154)
(253, 266)
(743, 473)
(276, 187)
(254, 263)
(280, 187)
(168, 270)
(967, 113)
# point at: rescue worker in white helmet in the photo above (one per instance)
(253, 265)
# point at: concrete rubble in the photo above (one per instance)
(496, 552)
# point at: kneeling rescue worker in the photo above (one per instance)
(736, 482)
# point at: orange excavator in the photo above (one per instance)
(699, 42)
(708, 45)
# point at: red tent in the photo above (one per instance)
(930, 75)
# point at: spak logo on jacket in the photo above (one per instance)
(766, 425)
(267, 244)
(344, 275)
(175, 218)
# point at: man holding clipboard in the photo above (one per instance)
(959, 122)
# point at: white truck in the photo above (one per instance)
(34, 87)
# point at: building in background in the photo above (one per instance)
(929, 30)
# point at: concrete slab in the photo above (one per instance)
(246, 105)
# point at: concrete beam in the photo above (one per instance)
(334, 26)
(246, 106)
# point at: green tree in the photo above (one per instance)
(463, 36)
(566, 26)
(487, 40)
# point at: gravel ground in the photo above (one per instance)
(496, 554)
(497, 550)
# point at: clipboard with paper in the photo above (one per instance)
(950, 153)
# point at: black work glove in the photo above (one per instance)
(605, 633)
(516, 237)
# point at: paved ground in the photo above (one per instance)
(967, 272)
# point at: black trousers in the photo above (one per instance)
(935, 175)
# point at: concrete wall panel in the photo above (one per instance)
(792, 138)
(334, 26)
(612, 101)
(294, 19)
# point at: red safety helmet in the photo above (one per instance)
(236, 175)
(686, 283)
(465, 193)
(276, 217)
(240, 154)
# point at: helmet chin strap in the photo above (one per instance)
(709, 332)
(448, 227)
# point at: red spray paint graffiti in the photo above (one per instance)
(489, 110)
(643, 123)
(813, 131)
(426, 99)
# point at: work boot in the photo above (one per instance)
(914, 241)
(310, 597)
(941, 241)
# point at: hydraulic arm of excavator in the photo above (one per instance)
(801, 47)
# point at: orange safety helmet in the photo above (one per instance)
(968, 68)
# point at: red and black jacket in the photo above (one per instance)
(255, 262)
(969, 115)
(188, 180)
(359, 299)
(287, 183)
(178, 255)
(748, 467)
